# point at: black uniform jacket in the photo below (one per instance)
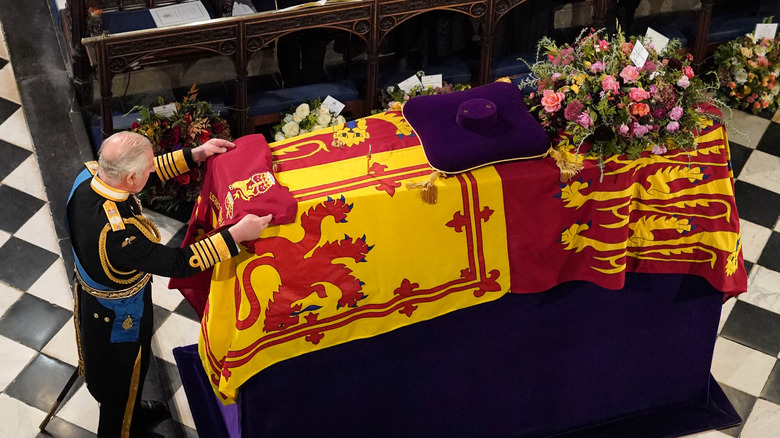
(117, 248)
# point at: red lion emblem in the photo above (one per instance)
(301, 274)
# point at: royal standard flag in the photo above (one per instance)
(365, 255)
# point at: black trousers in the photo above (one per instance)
(114, 372)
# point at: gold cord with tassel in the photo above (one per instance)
(568, 168)
(429, 193)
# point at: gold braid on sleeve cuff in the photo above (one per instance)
(208, 252)
(170, 165)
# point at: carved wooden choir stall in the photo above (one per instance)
(237, 38)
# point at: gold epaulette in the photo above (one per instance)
(170, 165)
(112, 213)
(92, 166)
(208, 252)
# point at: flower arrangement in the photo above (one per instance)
(748, 71)
(306, 117)
(393, 97)
(192, 124)
(593, 93)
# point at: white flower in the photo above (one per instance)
(302, 110)
(304, 131)
(741, 76)
(341, 120)
(317, 127)
(279, 136)
(760, 51)
(752, 37)
(323, 119)
(390, 89)
(291, 129)
(324, 110)
(296, 118)
(288, 118)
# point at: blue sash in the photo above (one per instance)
(132, 307)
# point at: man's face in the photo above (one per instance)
(139, 181)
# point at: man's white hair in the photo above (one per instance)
(122, 154)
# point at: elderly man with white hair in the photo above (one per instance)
(116, 252)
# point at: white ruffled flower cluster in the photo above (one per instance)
(306, 118)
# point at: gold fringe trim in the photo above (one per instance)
(568, 168)
(429, 193)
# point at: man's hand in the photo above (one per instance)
(209, 148)
(249, 227)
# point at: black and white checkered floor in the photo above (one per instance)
(37, 340)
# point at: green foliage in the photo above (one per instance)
(193, 123)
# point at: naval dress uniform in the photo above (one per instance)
(116, 251)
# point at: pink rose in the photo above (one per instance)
(629, 74)
(584, 120)
(609, 84)
(676, 113)
(552, 100)
(623, 129)
(567, 56)
(627, 48)
(638, 94)
(639, 130)
(672, 126)
(684, 82)
(659, 149)
(597, 67)
(604, 45)
(688, 71)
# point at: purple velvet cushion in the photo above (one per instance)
(477, 127)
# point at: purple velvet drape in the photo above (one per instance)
(575, 359)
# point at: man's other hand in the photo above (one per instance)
(211, 147)
(249, 227)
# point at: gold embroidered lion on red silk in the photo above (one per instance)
(245, 189)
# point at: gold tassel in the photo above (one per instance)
(568, 168)
(429, 193)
